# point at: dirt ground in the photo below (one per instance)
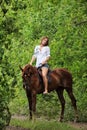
(79, 125)
(15, 128)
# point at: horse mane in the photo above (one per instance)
(30, 68)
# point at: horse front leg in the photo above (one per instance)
(30, 107)
(33, 104)
(29, 97)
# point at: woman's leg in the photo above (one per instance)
(45, 80)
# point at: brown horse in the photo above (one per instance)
(60, 79)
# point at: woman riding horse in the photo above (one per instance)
(42, 55)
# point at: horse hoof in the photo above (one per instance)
(75, 120)
(30, 119)
(60, 120)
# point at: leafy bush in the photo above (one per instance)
(22, 24)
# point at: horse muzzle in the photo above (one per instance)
(26, 86)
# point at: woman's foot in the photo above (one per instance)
(45, 92)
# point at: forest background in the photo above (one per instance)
(22, 24)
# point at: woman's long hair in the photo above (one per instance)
(47, 42)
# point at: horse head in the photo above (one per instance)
(27, 73)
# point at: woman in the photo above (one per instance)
(42, 56)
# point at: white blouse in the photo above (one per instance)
(41, 55)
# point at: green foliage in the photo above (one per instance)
(7, 72)
(41, 124)
(22, 24)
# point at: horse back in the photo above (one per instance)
(59, 77)
(64, 76)
(63, 72)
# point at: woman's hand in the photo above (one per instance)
(30, 63)
(45, 62)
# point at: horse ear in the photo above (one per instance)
(20, 68)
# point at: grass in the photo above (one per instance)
(41, 125)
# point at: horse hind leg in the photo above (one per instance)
(73, 100)
(62, 101)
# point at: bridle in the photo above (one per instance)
(27, 79)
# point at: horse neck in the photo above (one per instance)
(35, 72)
